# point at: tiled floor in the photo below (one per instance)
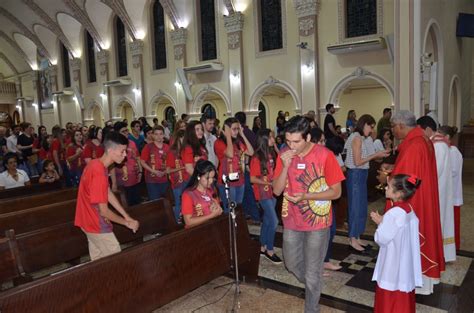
(350, 289)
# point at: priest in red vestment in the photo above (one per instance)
(416, 156)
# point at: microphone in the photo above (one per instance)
(230, 178)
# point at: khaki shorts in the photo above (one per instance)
(102, 245)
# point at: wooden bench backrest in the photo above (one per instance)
(65, 242)
(142, 278)
(29, 190)
(39, 217)
(31, 201)
(8, 261)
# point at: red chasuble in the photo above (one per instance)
(417, 157)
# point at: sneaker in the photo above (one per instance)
(263, 252)
(274, 258)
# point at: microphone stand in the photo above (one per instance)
(232, 245)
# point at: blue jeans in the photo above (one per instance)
(236, 194)
(75, 176)
(177, 192)
(67, 175)
(156, 190)
(332, 232)
(249, 203)
(303, 252)
(133, 194)
(270, 222)
(357, 201)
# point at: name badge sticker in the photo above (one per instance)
(301, 166)
(206, 198)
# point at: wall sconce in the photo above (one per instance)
(74, 99)
(103, 96)
(234, 77)
(307, 68)
(18, 107)
(34, 105)
(136, 91)
(177, 84)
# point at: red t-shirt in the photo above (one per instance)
(195, 203)
(91, 151)
(230, 165)
(188, 156)
(77, 164)
(93, 189)
(180, 177)
(155, 158)
(127, 172)
(56, 146)
(262, 192)
(45, 155)
(314, 172)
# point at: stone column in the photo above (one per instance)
(103, 60)
(77, 87)
(234, 24)
(178, 38)
(137, 75)
(306, 11)
(36, 107)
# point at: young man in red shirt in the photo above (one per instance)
(92, 213)
(310, 177)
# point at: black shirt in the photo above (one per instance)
(329, 119)
(24, 140)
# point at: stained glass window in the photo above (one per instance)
(361, 18)
(170, 117)
(207, 30)
(121, 40)
(159, 36)
(208, 110)
(271, 37)
(66, 73)
(91, 75)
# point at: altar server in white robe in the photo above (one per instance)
(445, 185)
(456, 171)
(398, 267)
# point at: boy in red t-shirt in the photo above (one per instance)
(310, 177)
(92, 213)
(153, 160)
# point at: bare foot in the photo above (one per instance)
(331, 266)
(326, 274)
(354, 244)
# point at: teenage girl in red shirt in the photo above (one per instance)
(199, 204)
(194, 146)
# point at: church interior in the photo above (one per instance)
(98, 62)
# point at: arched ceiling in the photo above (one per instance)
(38, 25)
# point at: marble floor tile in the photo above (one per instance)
(456, 271)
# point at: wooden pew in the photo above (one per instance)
(29, 201)
(9, 267)
(29, 190)
(142, 278)
(39, 217)
(61, 243)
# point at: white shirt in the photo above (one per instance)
(456, 166)
(398, 264)
(11, 144)
(378, 145)
(349, 153)
(167, 133)
(7, 181)
(211, 154)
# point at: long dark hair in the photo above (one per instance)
(263, 150)
(202, 168)
(57, 134)
(40, 137)
(94, 132)
(45, 144)
(382, 133)
(229, 122)
(177, 145)
(192, 140)
(364, 119)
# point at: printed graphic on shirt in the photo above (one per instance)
(314, 212)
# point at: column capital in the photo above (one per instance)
(179, 36)
(136, 47)
(234, 22)
(75, 64)
(305, 8)
(103, 56)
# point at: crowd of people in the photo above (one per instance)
(207, 166)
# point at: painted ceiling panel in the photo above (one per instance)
(100, 15)
(49, 40)
(22, 12)
(28, 47)
(72, 29)
(5, 69)
(20, 64)
(136, 11)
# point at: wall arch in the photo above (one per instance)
(160, 95)
(433, 31)
(455, 94)
(201, 96)
(259, 91)
(117, 107)
(359, 73)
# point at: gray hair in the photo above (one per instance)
(404, 117)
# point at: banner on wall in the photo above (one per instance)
(44, 84)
